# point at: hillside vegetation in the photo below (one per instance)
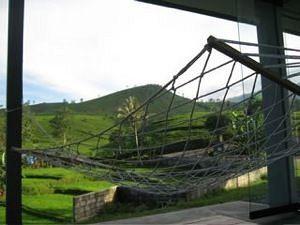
(108, 105)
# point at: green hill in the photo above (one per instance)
(108, 105)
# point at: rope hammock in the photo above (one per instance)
(168, 151)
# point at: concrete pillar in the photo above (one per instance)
(281, 173)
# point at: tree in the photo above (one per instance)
(248, 131)
(134, 117)
(61, 123)
(217, 124)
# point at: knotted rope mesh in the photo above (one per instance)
(215, 133)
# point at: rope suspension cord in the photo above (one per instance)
(284, 65)
(272, 56)
(258, 45)
(243, 84)
(240, 48)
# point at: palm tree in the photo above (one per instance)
(129, 110)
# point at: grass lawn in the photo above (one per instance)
(57, 206)
(48, 194)
(28, 218)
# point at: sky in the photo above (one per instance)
(77, 49)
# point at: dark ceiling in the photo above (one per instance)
(237, 10)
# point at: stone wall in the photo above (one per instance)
(90, 205)
(244, 180)
(137, 196)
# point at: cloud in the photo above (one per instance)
(82, 50)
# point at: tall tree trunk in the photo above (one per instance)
(64, 138)
(137, 142)
(3, 158)
(221, 138)
(136, 136)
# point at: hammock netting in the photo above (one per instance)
(215, 133)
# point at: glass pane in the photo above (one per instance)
(293, 72)
(83, 61)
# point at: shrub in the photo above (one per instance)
(264, 176)
(37, 187)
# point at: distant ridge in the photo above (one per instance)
(109, 104)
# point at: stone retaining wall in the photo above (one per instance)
(137, 196)
(243, 180)
(90, 205)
